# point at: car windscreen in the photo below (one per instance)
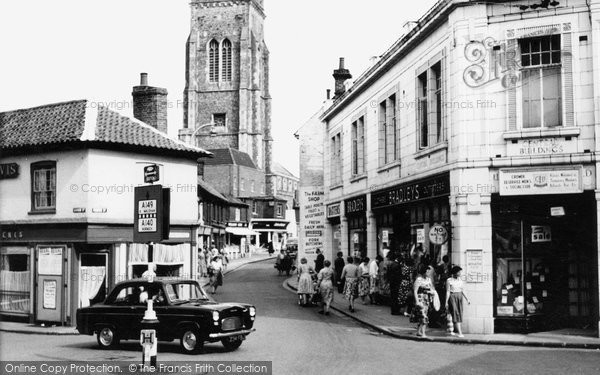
(184, 292)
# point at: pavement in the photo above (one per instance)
(379, 318)
(47, 329)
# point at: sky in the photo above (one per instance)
(61, 50)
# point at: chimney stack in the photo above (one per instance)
(328, 94)
(150, 104)
(340, 76)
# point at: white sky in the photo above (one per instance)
(60, 50)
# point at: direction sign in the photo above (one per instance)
(151, 214)
(147, 216)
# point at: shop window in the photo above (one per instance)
(43, 186)
(16, 278)
(92, 279)
(541, 81)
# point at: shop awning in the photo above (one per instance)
(240, 231)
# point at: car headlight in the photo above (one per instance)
(215, 316)
(252, 311)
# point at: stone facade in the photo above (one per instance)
(243, 100)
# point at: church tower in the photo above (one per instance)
(227, 80)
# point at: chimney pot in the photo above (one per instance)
(143, 79)
(328, 94)
(341, 63)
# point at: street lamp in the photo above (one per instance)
(210, 124)
(187, 135)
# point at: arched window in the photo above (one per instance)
(226, 60)
(213, 61)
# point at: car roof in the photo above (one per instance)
(157, 280)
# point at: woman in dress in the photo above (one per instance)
(423, 290)
(216, 279)
(325, 285)
(202, 268)
(305, 283)
(350, 273)
(364, 286)
(454, 299)
(406, 284)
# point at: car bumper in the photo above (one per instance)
(229, 334)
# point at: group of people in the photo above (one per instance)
(409, 284)
(212, 263)
(284, 263)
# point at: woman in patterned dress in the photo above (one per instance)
(423, 290)
(325, 285)
(350, 273)
(305, 283)
(406, 284)
(363, 281)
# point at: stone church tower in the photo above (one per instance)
(227, 80)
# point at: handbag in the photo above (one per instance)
(436, 301)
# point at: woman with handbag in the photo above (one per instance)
(454, 300)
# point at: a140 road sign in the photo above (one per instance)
(151, 214)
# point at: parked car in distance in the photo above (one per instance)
(292, 246)
(183, 309)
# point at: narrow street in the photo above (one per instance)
(298, 340)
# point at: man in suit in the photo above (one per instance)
(319, 261)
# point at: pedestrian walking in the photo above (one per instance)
(305, 282)
(423, 290)
(216, 273)
(325, 286)
(287, 263)
(350, 274)
(373, 279)
(394, 275)
(279, 262)
(364, 285)
(454, 299)
(384, 285)
(319, 262)
(339, 266)
(405, 294)
(202, 265)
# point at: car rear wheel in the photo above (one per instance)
(107, 338)
(231, 344)
(191, 341)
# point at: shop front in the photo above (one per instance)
(272, 231)
(415, 215)
(335, 228)
(545, 250)
(239, 238)
(355, 211)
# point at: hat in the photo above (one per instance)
(455, 269)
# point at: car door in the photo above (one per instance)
(128, 310)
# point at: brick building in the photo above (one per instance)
(476, 135)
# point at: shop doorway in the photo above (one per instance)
(50, 281)
(545, 258)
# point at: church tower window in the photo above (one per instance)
(213, 61)
(226, 60)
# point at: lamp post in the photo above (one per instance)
(187, 135)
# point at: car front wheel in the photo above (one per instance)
(231, 344)
(107, 338)
(191, 341)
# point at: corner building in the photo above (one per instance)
(476, 135)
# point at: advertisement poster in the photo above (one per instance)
(50, 294)
(475, 272)
(312, 219)
(50, 260)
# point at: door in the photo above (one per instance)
(50, 283)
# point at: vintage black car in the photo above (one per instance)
(184, 311)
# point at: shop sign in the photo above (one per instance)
(557, 211)
(420, 235)
(412, 192)
(541, 233)
(356, 205)
(270, 225)
(333, 210)
(9, 170)
(542, 146)
(312, 219)
(151, 173)
(240, 224)
(438, 234)
(385, 236)
(12, 234)
(475, 272)
(556, 180)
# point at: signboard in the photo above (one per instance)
(49, 300)
(151, 173)
(420, 235)
(356, 205)
(541, 233)
(50, 260)
(312, 219)
(333, 210)
(542, 146)
(9, 170)
(151, 214)
(438, 234)
(385, 236)
(475, 272)
(557, 211)
(526, 181)
(412, 192)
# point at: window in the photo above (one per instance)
(388, 131)
(336, 159)
(226, 57)
(541, 81)
(289, 185)
(213, 61)
(242, 184)
(255, 207)
(279, 184)
(429, 100)
(43, 181)
(220, 120)
(279, 210)
(358, 146)
(252, 186)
